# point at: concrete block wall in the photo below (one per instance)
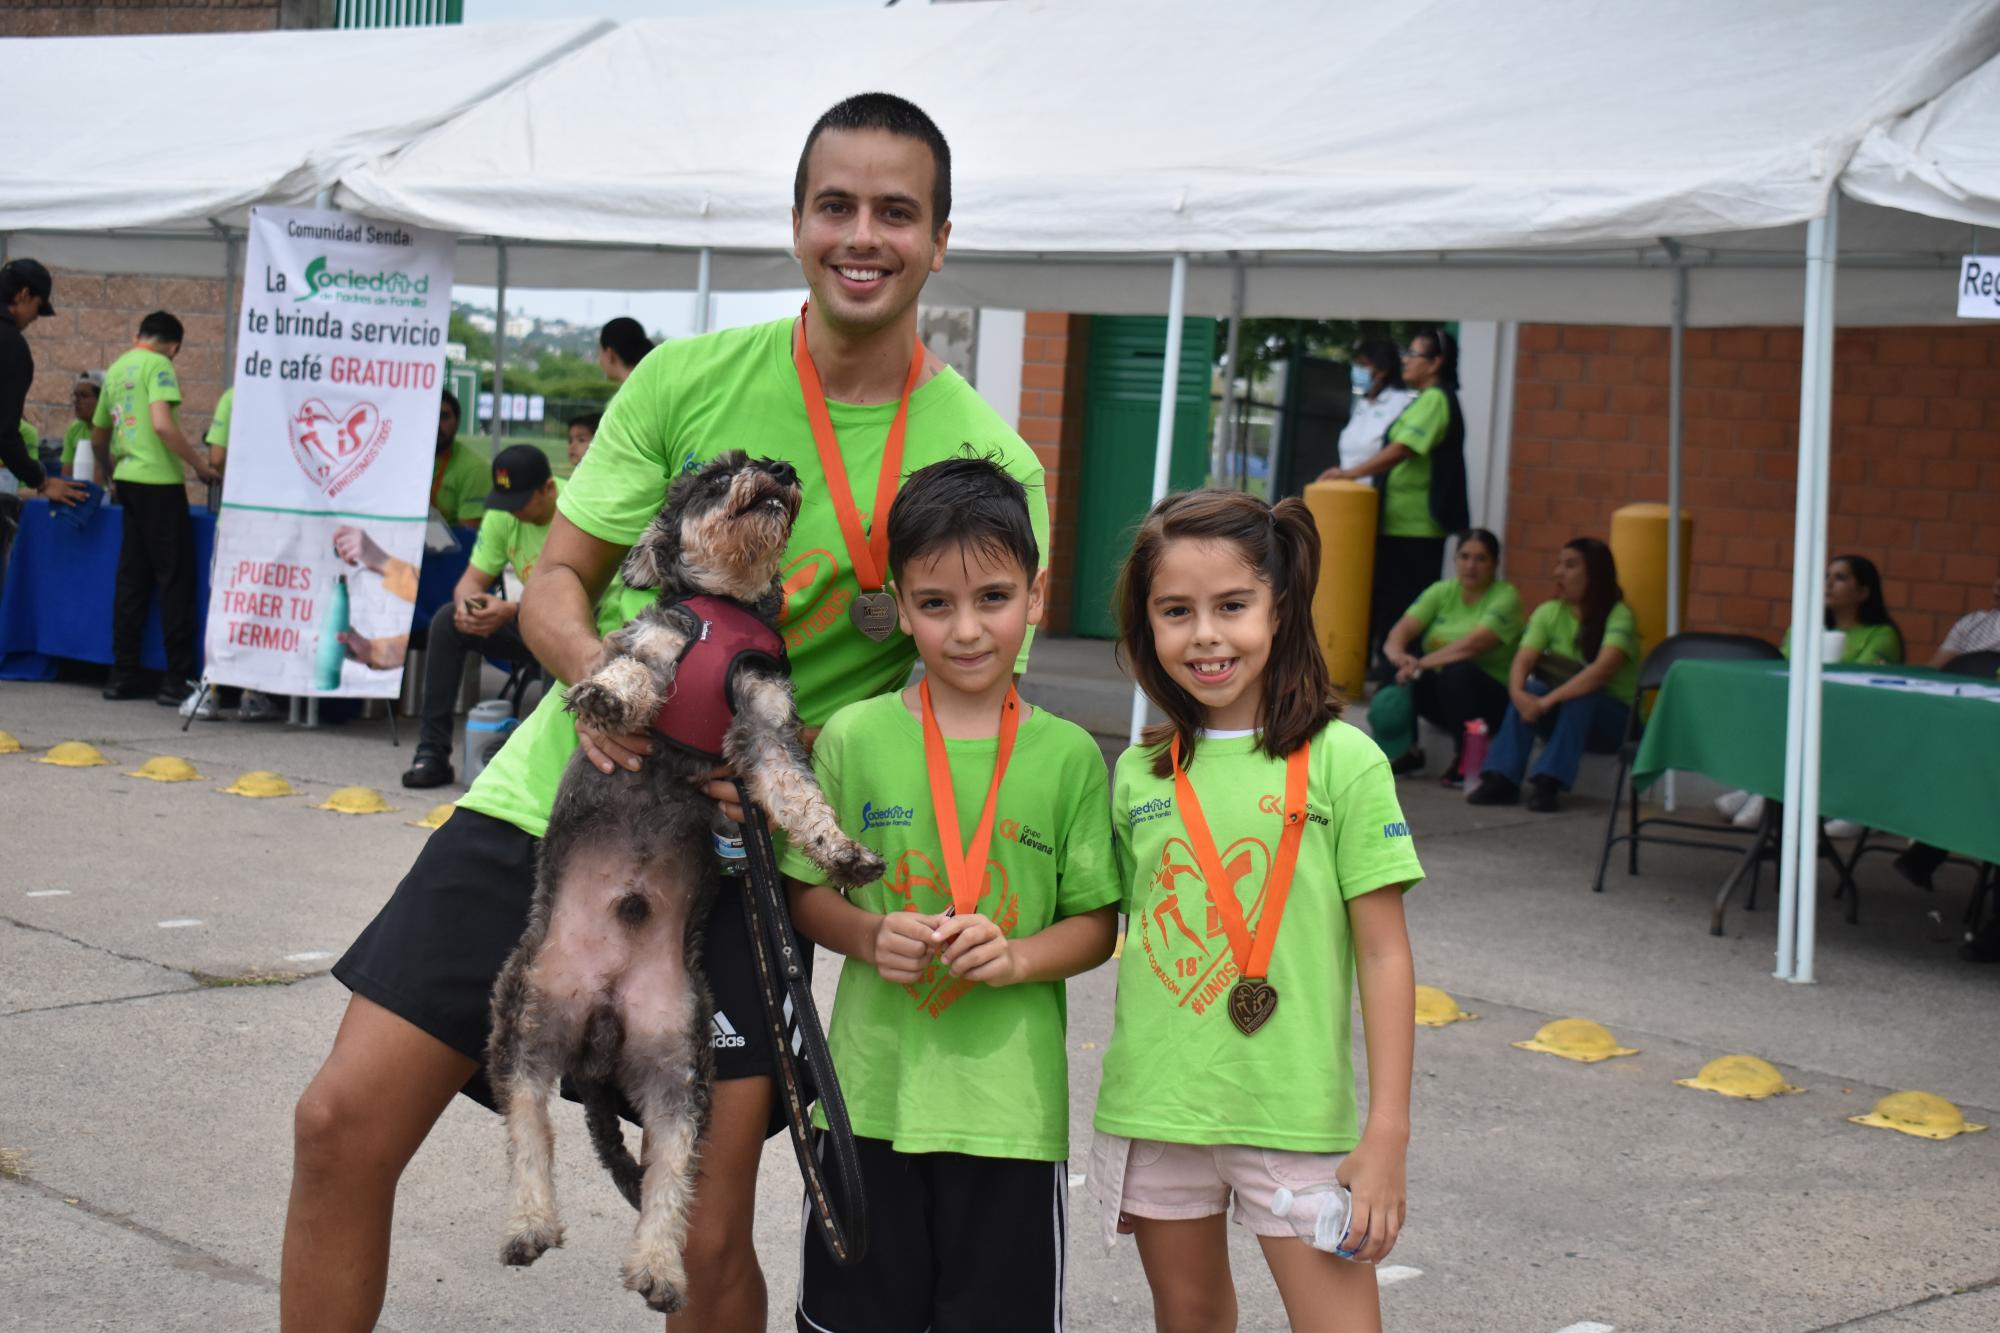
(105, 18)
(1054, 361)
(1915, 464)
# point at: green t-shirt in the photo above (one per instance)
(460, 484)
(134, 383)
(947, 1065)
(31, 438)
(1177, 1069)
(75, 436)
(505, 540)
(1553, 629)
(1447, 618)
(692, 399)
(1866, 645)
(1406, 494)
(218, 428)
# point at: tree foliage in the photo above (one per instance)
(1265, 343)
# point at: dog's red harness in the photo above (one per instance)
(702, 705)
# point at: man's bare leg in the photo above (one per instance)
(725, 1291)
(356, 1127)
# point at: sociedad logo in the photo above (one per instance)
(875, 816)
(334, 445)
(363, 286)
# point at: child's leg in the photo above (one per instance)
(725, 1286)
(1187, 1266)
(891, 1288)
(1322, 1293)
(998, 1236)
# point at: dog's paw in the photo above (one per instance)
(850, 864)
(617, 699)
(664, 1286)
(531, 1243)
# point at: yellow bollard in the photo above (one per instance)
(1345, 513)
(1639, 545)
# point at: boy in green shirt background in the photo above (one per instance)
(948, 1028)
(150, 458)
(83, 396)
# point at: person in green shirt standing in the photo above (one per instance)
(1572, 683)
(1422, 467)
(460, 474)
(519, 509)
(150, 458)
(870, 222)
(1465, 630)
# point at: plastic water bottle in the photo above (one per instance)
(730, 857)
(1319, 1214)
(331, 652)
(487, 726)
(1474, 751)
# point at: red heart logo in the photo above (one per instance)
(334, 446)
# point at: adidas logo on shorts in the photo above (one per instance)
(725, 1035)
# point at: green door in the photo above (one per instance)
(1121, 428)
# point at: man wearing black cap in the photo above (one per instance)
(519, 509)
(25, 288)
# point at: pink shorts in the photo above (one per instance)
(1172, 1182)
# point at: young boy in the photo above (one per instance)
(948, 1027)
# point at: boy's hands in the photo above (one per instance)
(1374, 1173)
(974, 948)
(902, 946)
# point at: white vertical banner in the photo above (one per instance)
(339, 368)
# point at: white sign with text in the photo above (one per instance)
(1979, 287)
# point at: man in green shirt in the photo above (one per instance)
(519, 509)
(871, 203)
(83, 398)
(459, 476)
(150, 459)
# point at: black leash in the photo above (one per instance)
(781, 975)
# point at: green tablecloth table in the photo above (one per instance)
(1923, 765)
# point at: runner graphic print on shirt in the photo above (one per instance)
(917, 882)
(1180, 928)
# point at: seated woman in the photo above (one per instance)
(1571, 683)
(1466, 629)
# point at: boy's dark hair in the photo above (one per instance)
(162, 327)
(884, 111)
(589, 420)
(966, 502)
(625, 338)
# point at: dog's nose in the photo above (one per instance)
(784, 473)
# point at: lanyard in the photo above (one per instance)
(867, 552)
(965, 867)
(1251, 951)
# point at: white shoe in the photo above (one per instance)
(1750, 814)
(1841, 828)
(256, 707)
(1730, 802)
(201, 705)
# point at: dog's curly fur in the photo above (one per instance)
(606, 984)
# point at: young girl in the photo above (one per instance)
(1263, 855)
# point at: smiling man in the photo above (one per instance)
(846, 394)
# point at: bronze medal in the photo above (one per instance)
(1252, 1001)
(874, 614)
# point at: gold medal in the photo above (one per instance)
(1252, 1001)
(874, 614)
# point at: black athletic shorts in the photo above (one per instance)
(956, 1244)
(432, 953)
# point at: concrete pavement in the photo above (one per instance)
(145, 1111)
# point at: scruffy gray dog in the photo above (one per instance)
(606, 985)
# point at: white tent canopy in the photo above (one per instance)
(1942, 159)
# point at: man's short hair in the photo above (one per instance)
(162, 327)
(625, 338)
(450, 400)
(884, 111)
(590, 421)
(966, 502)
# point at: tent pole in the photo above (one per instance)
(703, 275)
(1798, 863)
(232, 280)
(1163, 444)
(1824, 268)
(499, 340)
(1676, 370)
(1231, 436)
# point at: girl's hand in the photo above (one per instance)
(975, 948)
(1373, 1173)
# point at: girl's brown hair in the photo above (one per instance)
(1281, 544)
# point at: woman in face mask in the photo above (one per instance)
(1379, 398)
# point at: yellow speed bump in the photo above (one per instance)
(73, 754)
(1743, 1076)
(258, 785)
(1576, 1039)
(1435, 1009)
(166, 768)
(1924, 1114)
(356, 801)
(437, 816)
(8, 745)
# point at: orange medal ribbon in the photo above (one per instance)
(873, 611)
(965, 867)
(1253, 999)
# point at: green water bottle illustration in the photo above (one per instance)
(332, 652)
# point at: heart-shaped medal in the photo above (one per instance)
(1252, 1001)
(874, 614)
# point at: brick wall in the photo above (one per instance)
(96, 321)
(1915, 465)
(1054, 354)
(102, 18)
